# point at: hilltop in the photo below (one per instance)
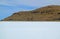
(47, 13)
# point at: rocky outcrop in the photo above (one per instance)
(47, 13)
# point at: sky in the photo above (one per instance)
(8, 7)
(29, 30)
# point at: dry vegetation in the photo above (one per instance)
(48, 13)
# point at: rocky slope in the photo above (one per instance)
(47, 13)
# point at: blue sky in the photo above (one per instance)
(8, 7)
(29, 30)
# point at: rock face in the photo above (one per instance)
(47, 13)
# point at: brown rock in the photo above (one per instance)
(47, 13)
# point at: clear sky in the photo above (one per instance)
(8, 7)
(29, 30)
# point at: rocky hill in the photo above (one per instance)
(47, 13)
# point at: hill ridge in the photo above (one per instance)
(47, 13)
